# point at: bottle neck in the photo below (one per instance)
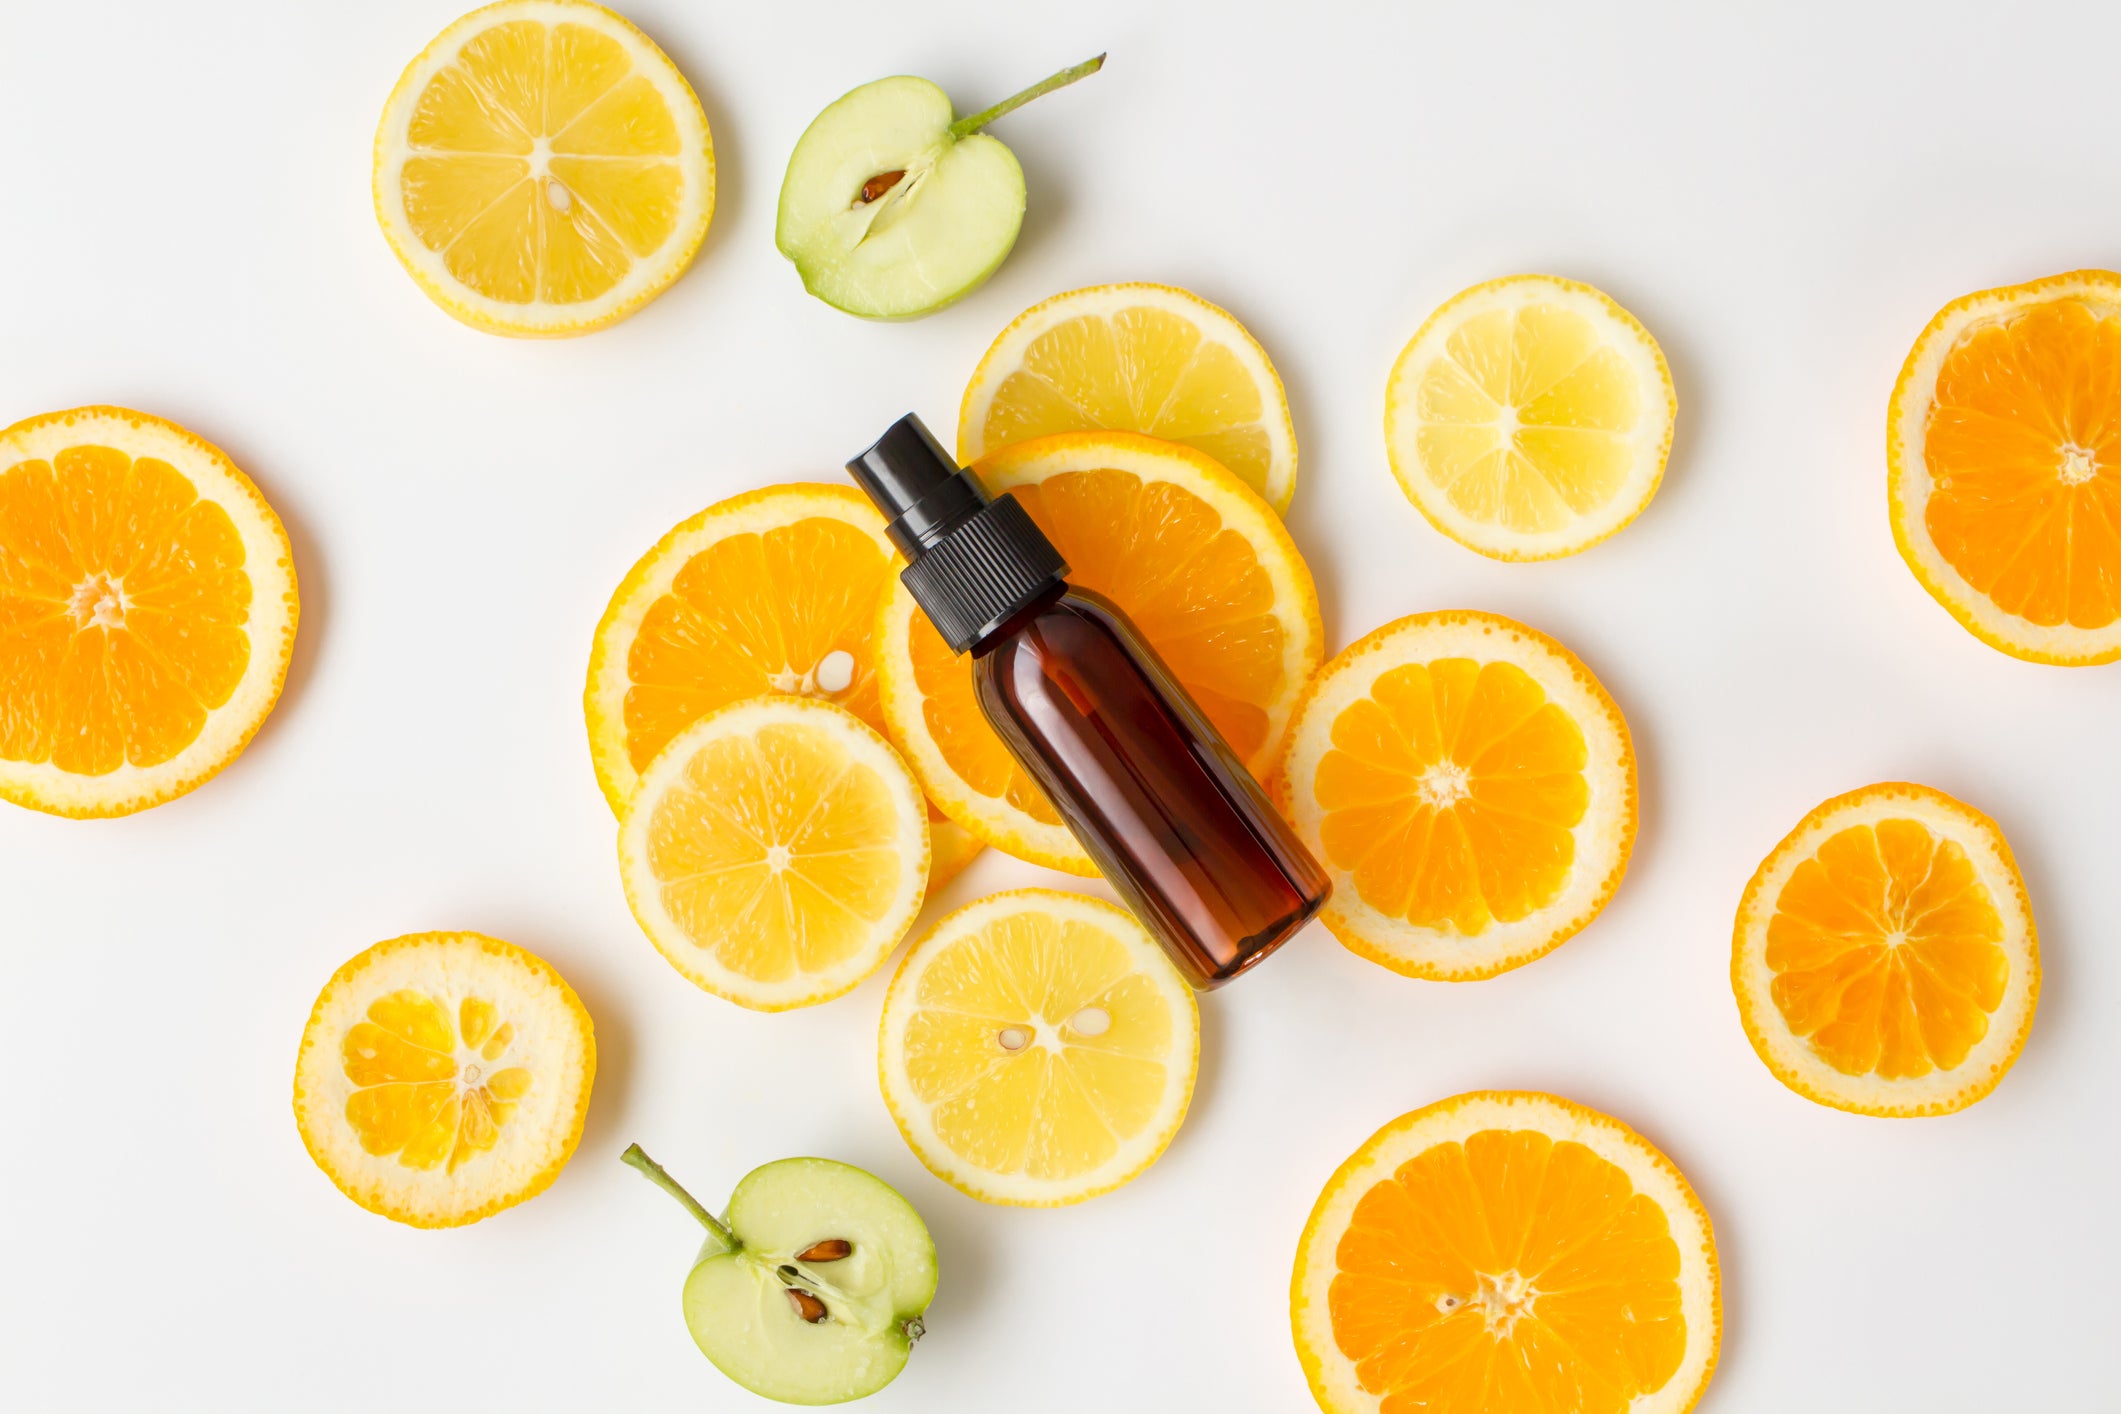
(1015, 623)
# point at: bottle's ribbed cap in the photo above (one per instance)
(972, 562)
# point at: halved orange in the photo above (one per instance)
(1885, 958)
(2003, 450)
(1200, 564)
(1507, 1253)
(1470, 787)
(147, 611)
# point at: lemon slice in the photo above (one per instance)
(444, 1077)
(543, 169)
(1038, 1048)
(1530, 417)
(776, 852)
(1470, 787)
(1135, 358)
(1885, 959)
(147, 611)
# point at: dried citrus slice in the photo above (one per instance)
(776, 852)
(1469, 786)
(1038, 1048)
(1507, 1253)
(543, 169)
(1201, 565)
(2003, 446)
(147, 611)
(1530, 417)
(1885, 958)
(1135, 358)
(444, 1077)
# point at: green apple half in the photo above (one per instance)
(811, 1290)
(893, 206)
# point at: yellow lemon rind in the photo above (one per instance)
(1605, 836)
(435, 1198)
(1331, 1375)
(1908, 479)
(911, 1117)
(275, 610)
(866, 746)
(1653, 437)
(1789, 1057)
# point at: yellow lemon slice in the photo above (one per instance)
(1135, 358)
(1470, 787)
(776, 852)
(543, 169)
(1509, 1253)
(1038, 1048)
(1885, 959)
(1530, 418)
(444, 1077)
(147, 611)
(1201, 565)
(2004, 450)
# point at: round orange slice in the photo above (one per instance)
(1470, 788)
(1507, 1253)
(1885, 959)
(1200, 564)
(147, 611)
(2003, 454)
(444, 1077)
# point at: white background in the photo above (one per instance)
(1783, 199)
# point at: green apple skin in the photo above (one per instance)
(736, 1298)
(929, 240)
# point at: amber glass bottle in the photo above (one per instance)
(1148, 786)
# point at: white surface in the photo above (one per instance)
(1783, 200)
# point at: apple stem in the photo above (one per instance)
(965, 127)
(637, 1157)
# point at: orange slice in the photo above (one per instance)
(1507, 1253)
(1885, 958)
(1200, 564)
(2003, 450)
(771, 591)
(147, 611)
(444, 1077)
(1470, 788)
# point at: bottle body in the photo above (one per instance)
(1157, 798)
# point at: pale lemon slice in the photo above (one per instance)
(1135, 358)
(1530, 418)
(444, 1077)
(776, 852)
(543, 169)
(1038, 1048)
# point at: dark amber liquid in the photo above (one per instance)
(1156, 796)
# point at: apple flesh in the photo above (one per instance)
(894, 207)
(811, 1290)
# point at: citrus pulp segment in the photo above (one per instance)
(2003, 453)
(443, 1077)
(1470, 788)
(147, 611)
(1530, 418)
(543, 169)
(1201, 565)
(1037, 1048)
(776, 852)
(1507, 1253)
(1135, 358)
(1884, 958)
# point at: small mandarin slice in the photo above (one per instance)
(1885, 959)
(1507, 1253)
(1469, 786)
(444, 1077)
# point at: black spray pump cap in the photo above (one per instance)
(972, 562)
